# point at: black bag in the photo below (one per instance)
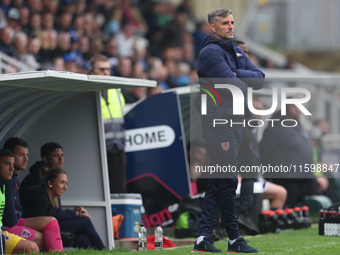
(68, 239)
(192, 206)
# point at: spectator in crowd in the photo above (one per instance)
(47, 20)
(132, 15)
(35, 5)
(140, 53)
(46, 202)
(183, 74)
(96, 46)
(174, 31)
(13, 19)
(64, 44)
(34, 48)
(126, 41)
(80, 7)
(84, 47)
(20, 41)
(5, 5)
(48, 48)
(44, 231)
(70, 63)
(138, 71)
(112, 103)
(157, 15)
(124, 67)
(64, 22)
(52, 156)
(24, 19)
(67, 6)
(59, 64)
(89, 26)
(6, 42)
(170, 70)
(160, 73)
(295, 149)
(3, 20)
(111, 52)
(79, 24)
(13, 244)
(201, 31)
(189, 54)
(51, 6)
(35, 24)
(112, 26)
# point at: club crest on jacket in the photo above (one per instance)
(225, 146)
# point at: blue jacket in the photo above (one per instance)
(31, 182)
(220, 60)
(13, 209)
(42, 206)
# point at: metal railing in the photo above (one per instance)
(11, 65)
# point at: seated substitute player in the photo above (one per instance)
(44, 231)
(52, 156)
(13, 244)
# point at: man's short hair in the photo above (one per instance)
(6, 153)
(213, 15)
(239, 42)
(96, 58)
(12, 142)
(48, 148)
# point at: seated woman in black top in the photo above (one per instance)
(46, 202)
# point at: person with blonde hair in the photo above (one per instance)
(46, 202)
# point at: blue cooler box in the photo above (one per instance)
(130, 206)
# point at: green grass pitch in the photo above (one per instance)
(305, 241)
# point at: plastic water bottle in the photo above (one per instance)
(142, 242)
(158, 237)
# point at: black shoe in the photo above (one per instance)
(241, 246)
(248, 225)
(205, 245)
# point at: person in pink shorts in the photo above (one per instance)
(44, 231)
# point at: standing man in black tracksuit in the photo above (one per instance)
(221, 62)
